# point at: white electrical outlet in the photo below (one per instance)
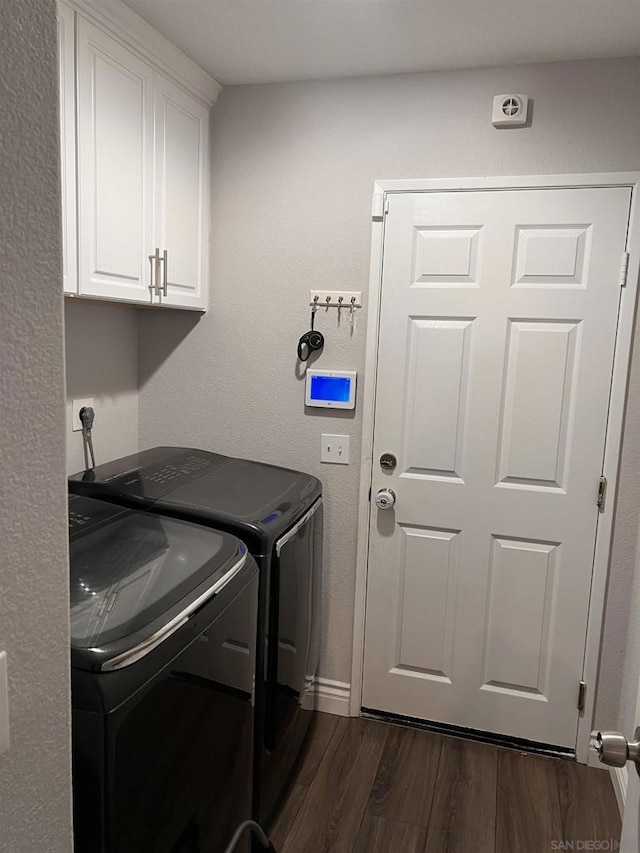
(4, 704)
(335, 449)
(76, 405)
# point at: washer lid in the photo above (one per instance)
(246, 491)
(132, 572)
(255, 501)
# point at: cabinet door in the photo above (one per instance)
(115, 149)
(66, 53)
(181, 194)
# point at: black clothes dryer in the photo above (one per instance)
(277, 512)
(163, 655)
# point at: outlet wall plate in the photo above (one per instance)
(76, 405)
(510, 110)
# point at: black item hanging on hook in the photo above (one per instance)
(311, 341)
(308, 343)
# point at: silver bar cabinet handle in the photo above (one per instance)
(164, 279)
(158, 262)
(152, 287)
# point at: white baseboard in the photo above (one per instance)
(332, 697)
(620, 780)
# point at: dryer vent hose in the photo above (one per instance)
(254, 827)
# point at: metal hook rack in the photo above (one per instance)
(346, 299)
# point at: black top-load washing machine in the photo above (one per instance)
(278, 515)
(163, 655)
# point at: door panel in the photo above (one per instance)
(180, 225)
(520, 601)
(437, 380)
(497, 332)
(425, 624)
(539, 378)
(446, 257)
(551, 257)
(115, 139)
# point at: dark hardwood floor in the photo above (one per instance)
(371, 787)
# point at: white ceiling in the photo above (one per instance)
(261, 41)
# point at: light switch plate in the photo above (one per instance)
(4, 704)
(335, 449)
(76, 405)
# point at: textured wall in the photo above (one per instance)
(293, 168)
(101, 342)
(34, 605)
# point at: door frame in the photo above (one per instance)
(615, 423)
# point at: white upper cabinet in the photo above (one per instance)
(134, 123)
(66, 55)
(180, 196)
(115, 151)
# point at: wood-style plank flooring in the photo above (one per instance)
(371, 787)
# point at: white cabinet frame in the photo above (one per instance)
(67, 73)
(121, 22)
(87, 29)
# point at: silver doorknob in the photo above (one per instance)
(385, 498)
(615, 750)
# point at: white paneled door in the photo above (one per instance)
(497, 332)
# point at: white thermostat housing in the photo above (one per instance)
(331, 389)
(510, 110)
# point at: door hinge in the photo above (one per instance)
(378, 206)
(582, 690)
(602, 493)
(369, 494)
(624, 269)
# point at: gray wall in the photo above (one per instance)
(35, 813)
(293, 168)
(101, 341)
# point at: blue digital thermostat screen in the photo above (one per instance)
(335, 389)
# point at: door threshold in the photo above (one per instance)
(504, 741)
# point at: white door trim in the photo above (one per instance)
(615, 422)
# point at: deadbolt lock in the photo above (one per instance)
(388, 461)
